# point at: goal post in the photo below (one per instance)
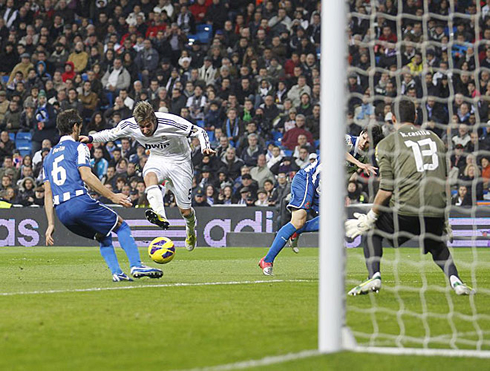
(439, 333)
(333, 72)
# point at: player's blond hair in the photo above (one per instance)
(143, 112)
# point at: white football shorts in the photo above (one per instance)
(178, 177)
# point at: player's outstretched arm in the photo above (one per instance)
(93, 182)
(49, 209)
(122, 130)
(367, 168)
(203, 137)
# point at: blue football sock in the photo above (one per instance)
(109, 255)
(128, 244)
(310, 226)
(279, 242)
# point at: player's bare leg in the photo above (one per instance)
(189, 216)
(155, 215)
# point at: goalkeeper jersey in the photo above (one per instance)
(412, 164)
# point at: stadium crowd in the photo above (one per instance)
(246, 71)
(439, 56)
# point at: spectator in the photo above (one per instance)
(199, 198)
(233, 126)
(147, 61)
(290, 139)
(26, 195)
(303, 157)
(463, 137)
(89, 99)
(9, 169)
(24, 66)
(7, 146)
(72, 102)
(116, 77)
(297, 90)
(313, 122)
(4, 104)
(207, 72)
(196, 104)
(11, 121)
(79, 57)
(462, 198)
(261, 172)
(45, 128)
(98, 163)
(231, 162)
(251, 153)
(69, 73)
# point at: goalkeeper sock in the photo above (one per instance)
(279, 242)
(155, 198)
(190, 220)
(109, 255)
(442, 257)
(128, 244)
(310, 226)
(373, 251)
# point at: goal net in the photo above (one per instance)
(437, 54)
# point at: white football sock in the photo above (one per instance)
(155, 198)
(190, 220)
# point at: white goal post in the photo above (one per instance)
(333, 336)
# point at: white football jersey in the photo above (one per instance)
(170, 139)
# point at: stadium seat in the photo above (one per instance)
(24, 152)
(200, 123)
(192, 38)
(288, 152)
(204, 33)
(110, 98)
(276, 135)
(5, 79)
(317, 143)
(204, 27)
(24, 146)
(211, 136)
(12, 136)
(24, 136)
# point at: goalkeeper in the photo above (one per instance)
(413, 172)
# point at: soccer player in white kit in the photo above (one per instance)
(166, 136)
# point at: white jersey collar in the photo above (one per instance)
(66, 137)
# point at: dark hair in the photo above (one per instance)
(404, 111)
(66, 120)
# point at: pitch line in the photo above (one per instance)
(270, 360)
(176, 284)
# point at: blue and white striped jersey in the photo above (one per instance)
(313, 172)
(352, 148)
(169, 140)
(60, 168)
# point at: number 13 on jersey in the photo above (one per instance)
(420, 151)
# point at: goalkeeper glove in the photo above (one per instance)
(448, 230)
(362, 224)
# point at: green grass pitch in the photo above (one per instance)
(54, 317)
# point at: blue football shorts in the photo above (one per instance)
(87, 217)
(303, 193)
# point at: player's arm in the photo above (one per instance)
(365, 222)
(203, 137)
(49, 209)
(180, 126)
(94, 183)
(367, 168)
(122, 130)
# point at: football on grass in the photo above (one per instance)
(161, 250)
